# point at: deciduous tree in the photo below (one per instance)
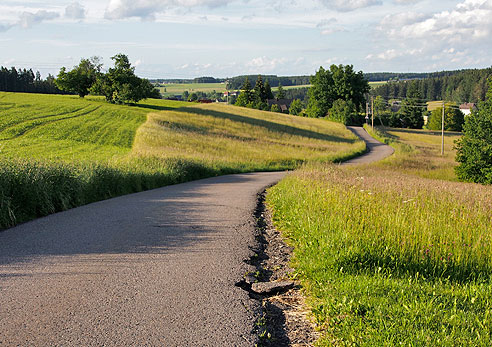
(81, 78)
(339, 82)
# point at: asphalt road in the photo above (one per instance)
(157, 268)
(375, 150)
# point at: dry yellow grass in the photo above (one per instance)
(242, 137)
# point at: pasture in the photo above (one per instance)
(386, 256)
(171, 89)
(58, 152)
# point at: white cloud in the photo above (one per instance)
(75, 11)
(350, 5)
(264, 64)
(392, 54)
(28, 19)
(147, 9)
(471, 20)
(406, 2)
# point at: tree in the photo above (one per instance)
(412, 111)
(342, 111)
(296, 107)
(268, 90)
(474, 148)
(339, 82)
(245, 98)
(260, 89)
(81, 78)
(121, 85)
(280, 92)
(453, 119)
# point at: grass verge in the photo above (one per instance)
(387, 257)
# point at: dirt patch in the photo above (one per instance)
(285, 318)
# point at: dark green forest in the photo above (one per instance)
(458, 86)
(26, 81)
(235, 83)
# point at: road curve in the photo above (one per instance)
(375, 150)
(156, 268)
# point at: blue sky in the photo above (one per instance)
(222, 38)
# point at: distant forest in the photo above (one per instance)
(235, 83)
(22, 80)
(458, 86)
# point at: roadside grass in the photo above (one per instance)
(387, 257)
(418, 152)
(59, 152)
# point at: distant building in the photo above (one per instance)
(395, 106)
(468, 108)
(283, 104)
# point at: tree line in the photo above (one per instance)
(457, 86)
(236, 83)
(26, 81)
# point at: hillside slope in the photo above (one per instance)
(58, 152)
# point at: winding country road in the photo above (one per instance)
(157, 268)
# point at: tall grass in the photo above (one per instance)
(388, 257)
(58, 152)
(418, 152)
(31, 189)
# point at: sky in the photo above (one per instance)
(225, 38)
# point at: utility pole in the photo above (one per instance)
(442, 130)
(372, 112)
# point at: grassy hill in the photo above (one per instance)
(58, 152)
(392, 253)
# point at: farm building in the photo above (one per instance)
(468, 108)
(283, 104)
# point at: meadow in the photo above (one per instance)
(59, 152)
(172, 89)
(387, 257)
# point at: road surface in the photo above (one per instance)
(157, 268)
(375, 150)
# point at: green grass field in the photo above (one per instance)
(418, 152)
(377, 84)
(178, 88)
(387, 257)
(59, 152)
(172, 89)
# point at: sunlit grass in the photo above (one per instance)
(388, 257)
(418, 152)
(243, 138)
(93, 150)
